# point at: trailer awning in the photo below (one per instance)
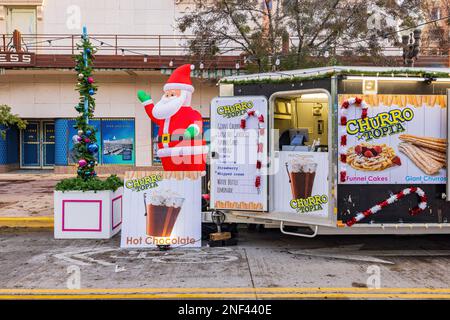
(325, 72)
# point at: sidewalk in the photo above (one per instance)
(263, 265)
(28, 194)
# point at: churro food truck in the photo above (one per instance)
(341, 150)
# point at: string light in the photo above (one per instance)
(171, 63)
(123, 52)
(202, 66)
(238, 66)
(145, 58)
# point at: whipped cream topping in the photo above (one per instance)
(164, 197)
(302, 164)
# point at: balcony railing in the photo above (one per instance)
(109, 44)
(152, 45)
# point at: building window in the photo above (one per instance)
(21, 19)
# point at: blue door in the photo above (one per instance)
(38, 144)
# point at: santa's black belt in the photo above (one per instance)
(166, 138)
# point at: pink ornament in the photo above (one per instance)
(87, 140)
(90, 80)
(82, 162)
(79, 138)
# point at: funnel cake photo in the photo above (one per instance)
(367, 157)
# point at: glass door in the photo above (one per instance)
(38, 145)
(48, 144)
(31, 150)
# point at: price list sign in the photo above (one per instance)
(239, 149)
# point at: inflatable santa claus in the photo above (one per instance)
(181, 146)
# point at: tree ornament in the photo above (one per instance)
(82, 163)
(91, 92)
(90, 80)
(88, 132)
(93, 148)
(80, 76)
(79, 139)
(87, 140)
(80, 132)
(88, 50)
(75, 139)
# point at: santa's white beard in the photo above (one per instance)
(168, 106)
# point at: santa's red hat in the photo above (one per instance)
(180, 79)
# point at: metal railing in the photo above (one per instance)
(154, 45)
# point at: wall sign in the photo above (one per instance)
(17, 59)
(402, 140)
(118, 145)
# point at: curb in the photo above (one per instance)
(27, 222)
(227, 293)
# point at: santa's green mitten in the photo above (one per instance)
(143, 96)
(191, 131)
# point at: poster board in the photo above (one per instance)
(161, 208)
(301, 185)
(235, 150)
(118, 143)
(408, 134)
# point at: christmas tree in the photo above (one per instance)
(85, 141)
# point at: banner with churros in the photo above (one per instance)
(393, 139)
(161, 208)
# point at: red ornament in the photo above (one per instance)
(343, 120)
(261, 118)
(344, 140)
(358, 100)
(364, 114)
(343, 157)
(258, 182)
(345, 105)
(251, 112)
(242, 123)
(343, 175)
(258, 164)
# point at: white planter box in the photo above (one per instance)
(87, 215)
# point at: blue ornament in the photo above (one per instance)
(88, 50)
(93, 148)
(91, 91)
(88, 132)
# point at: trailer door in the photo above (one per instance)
(239, 153)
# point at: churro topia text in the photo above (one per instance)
(381, 125)
(143, 183)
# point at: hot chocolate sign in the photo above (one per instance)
(161, 208)
(302, 184)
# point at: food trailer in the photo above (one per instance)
(341, 150)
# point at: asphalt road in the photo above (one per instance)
(263, 265)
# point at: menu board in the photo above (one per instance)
(239, 153)
(403, 140)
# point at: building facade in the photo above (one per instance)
(138, 47)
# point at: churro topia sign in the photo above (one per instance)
(382, 125)
(402, 140)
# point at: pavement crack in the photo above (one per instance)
(250, 271)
